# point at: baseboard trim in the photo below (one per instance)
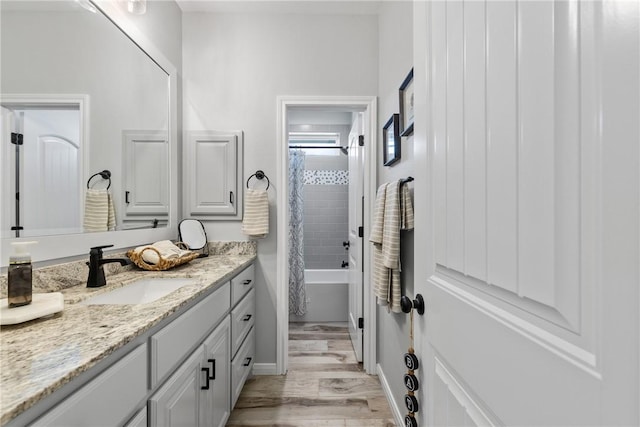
(395, 410)
(264, 369)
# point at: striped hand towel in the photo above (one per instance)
(111, 214)
(393, 213)
(256, 213)
(99, 213)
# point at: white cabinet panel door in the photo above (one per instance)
(531, 199)
(213, 171)
(146, 173)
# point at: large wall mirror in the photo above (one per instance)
(79, 97)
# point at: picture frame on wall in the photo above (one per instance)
(391, 140)
(406, 105)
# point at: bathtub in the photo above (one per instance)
(327, 296)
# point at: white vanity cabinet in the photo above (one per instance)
(213, 175)
(243, 316)
(188, 372)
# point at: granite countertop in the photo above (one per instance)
(40, 356)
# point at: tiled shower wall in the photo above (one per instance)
(326, 213)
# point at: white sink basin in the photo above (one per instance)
(140, 292)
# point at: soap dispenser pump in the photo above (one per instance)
(20, 275)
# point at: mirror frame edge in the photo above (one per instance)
(49, 247)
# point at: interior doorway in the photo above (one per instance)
(43, 165)
(364, 109)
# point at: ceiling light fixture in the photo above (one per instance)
(86, 4)
(137, 7)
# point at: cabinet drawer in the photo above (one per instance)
(108, 399)
(241, 284)
(242, 365)
(243, 318)
(177, 339)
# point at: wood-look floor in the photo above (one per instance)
(325, 386)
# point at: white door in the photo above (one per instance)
(356, 203)
(49, 169)
(527, 243)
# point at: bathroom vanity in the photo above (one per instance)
(179, 360)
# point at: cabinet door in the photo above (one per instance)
(139, 420)
(179, 402)
(146, 173)
(212, 174)
(217, 358)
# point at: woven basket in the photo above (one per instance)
(163, 264)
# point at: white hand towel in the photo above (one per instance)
(256, 213)
(96, 210)
(166, 248)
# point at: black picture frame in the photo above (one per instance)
(391, 140)
(406, 105)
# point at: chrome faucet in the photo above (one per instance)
(96, 272)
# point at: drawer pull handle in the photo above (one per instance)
(246, 318)
(206, 378)
(248, 361)
(213, 368)
(246, 282)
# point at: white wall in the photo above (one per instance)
(235, 66)
(395, 62)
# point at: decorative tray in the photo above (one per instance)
(163, 263)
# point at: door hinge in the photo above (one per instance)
(16, 138)
(360, 322)
(361, 140)
(360, 231)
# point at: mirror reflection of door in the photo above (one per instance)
(47, 167)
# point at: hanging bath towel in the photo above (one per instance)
(393, 213)
(99, 212)
(256, 213)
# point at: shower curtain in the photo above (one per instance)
(297, 288)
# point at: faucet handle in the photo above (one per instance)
(98, 249)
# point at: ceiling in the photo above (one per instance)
(325, 7)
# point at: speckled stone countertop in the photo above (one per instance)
(40, 356)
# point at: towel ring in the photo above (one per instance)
(259, 175)
(105, 174)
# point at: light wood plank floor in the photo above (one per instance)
(325, 386)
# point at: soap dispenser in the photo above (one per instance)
(20, 277)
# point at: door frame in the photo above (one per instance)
(369, 105)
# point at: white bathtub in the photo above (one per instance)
(327, 296)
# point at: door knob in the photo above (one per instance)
(406, 304)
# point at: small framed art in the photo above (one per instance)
(406, 105)
(391, 140)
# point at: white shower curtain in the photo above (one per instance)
(297, 288)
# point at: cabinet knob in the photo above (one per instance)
(247, 361)
(246, 282)
(247, 318)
